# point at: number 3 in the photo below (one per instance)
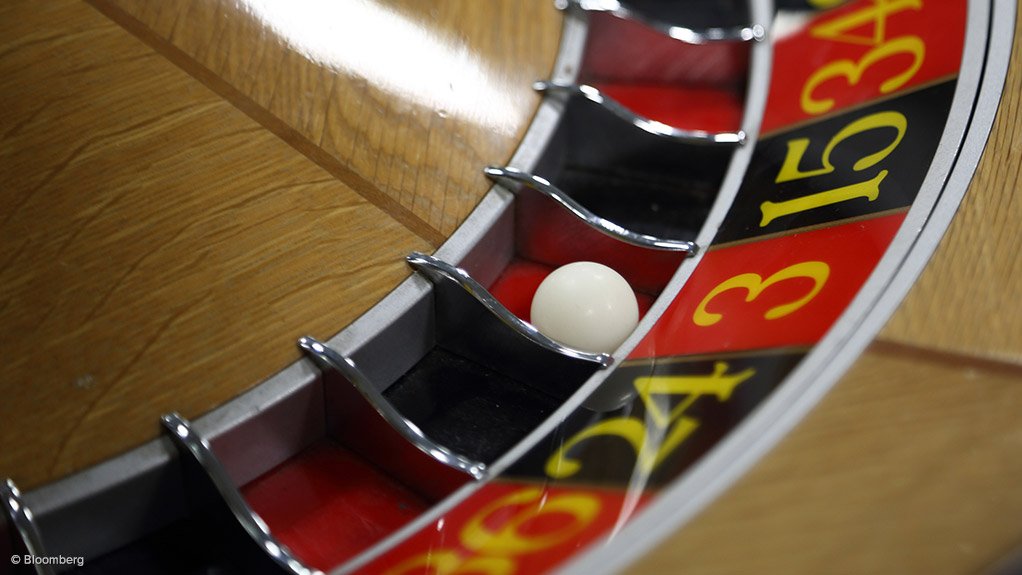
(754, 284)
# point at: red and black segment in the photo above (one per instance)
(647, 271)
(774, 293)
(863, 51)
(327, 504)
(510, 527)
(611, 162)
(683, 85)
(679, 408)
(856, 109)
(868, 161)
(857, 104)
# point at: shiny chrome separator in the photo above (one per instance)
(251, 434)
(438, 270)
(986, 57)
(594, 95)
(327, 358)
(528, 155)
(541, 185)
(754, 32)
(21, 519)
(195, 449)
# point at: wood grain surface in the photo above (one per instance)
(911, 463)
(190, 185)
(328, 72)
(173, 218)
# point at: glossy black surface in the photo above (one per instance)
(185, 548)
(693, 13)
(647, 183)
(903, 169)
(606, 457)
(468, 408)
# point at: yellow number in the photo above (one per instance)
(496, 548)
(508, 539)
(837, 28)
(823, 4)
(718, 383)
(654, 445)
(560, 465)
(870, 189)
(450, 562)
(797, 147)
(754, 285)
(852, 71)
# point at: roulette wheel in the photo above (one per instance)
(193, 186)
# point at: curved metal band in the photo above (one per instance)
(191, 444)
(439, 269)
(541, 185)
(754, 32)
(652, 126)
(23, 521)
(327, 358)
